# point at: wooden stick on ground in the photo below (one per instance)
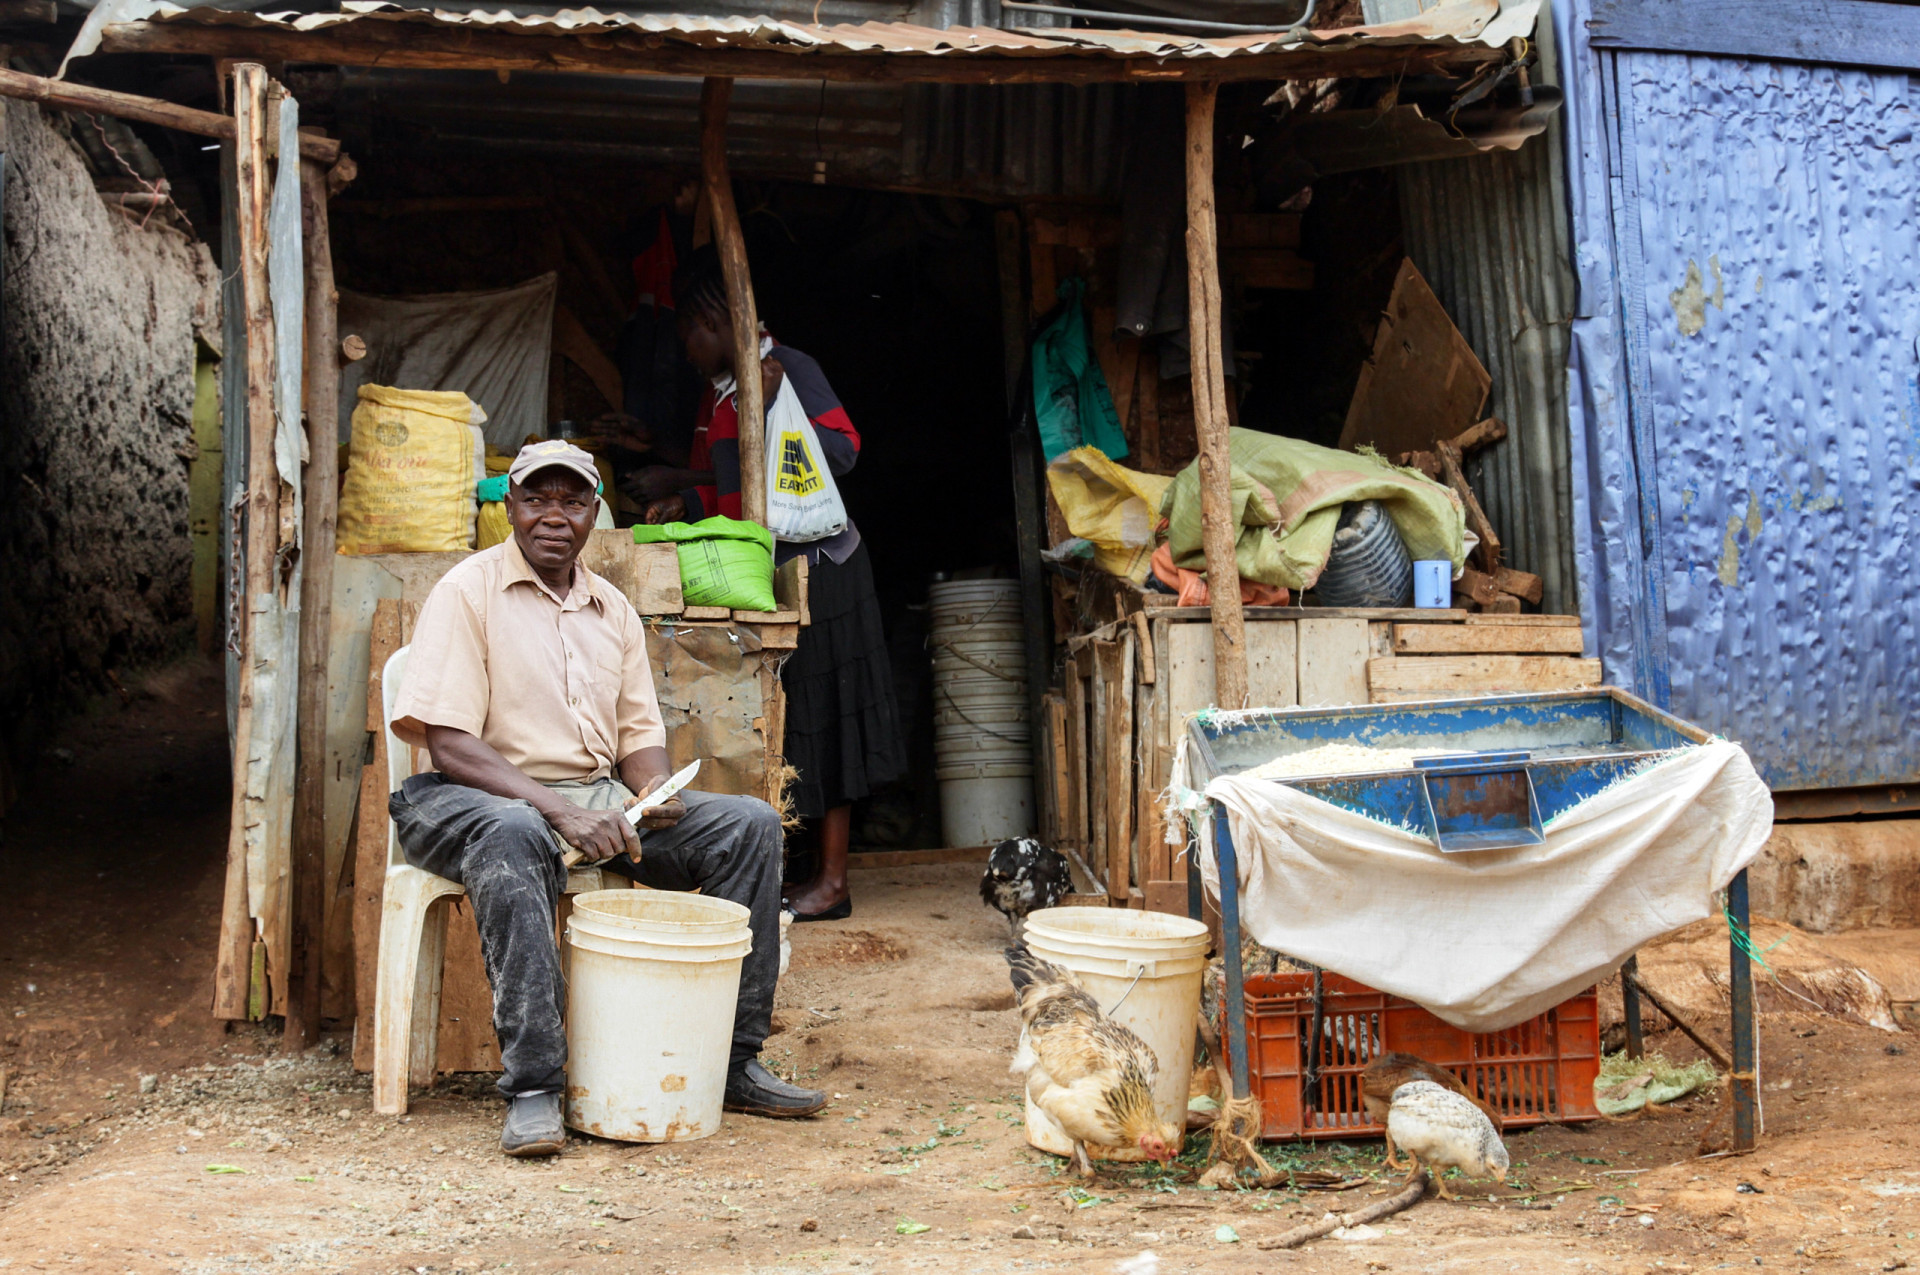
(1299, 1235)
(1219, 532)
(1711, 1050)
(732, 246)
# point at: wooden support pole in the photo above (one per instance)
(321, 489)
(715, 93)
(1630, 979)
(1219, 534)
(1630, 1006)
(68, 96)
(260, 516)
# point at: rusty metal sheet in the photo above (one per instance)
(1488, 23)
(707, 677)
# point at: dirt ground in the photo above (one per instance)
(138, 1135)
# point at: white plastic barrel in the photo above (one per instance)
(983, 751)
(1161, 958)
(650, 1001)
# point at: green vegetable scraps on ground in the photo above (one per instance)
(1227, 1235)
(225, 1168)
(912, 1228)
(1627, 1084)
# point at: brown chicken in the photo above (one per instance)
(1090, 1074)
(1389, 1071)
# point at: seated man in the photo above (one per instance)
(529, 684)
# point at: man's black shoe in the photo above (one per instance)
(533, 1126)
(758, 1092)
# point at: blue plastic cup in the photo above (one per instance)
(1433, 583)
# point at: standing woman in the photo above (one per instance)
(843, 731)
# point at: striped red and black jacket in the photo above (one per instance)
(716, 446)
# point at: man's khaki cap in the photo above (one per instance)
(553, 452)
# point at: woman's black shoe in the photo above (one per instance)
(838, 912)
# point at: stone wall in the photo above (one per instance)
(97, 353)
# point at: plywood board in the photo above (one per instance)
(370, 842)
(358, 586)
(1333, 662)
(1272, 667)
(1114, 663)
(1074, 803)
(1053, 781)
(1166, 896)
(1422, 382)
(466, 1041)
(790, 586)
(1534, 621)
(649, 575)
(1441, 676)
(1499, 639)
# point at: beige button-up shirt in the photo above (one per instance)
(558, 686)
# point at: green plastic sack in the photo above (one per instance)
(1071, 402)
(723, 562)
(1286, 498)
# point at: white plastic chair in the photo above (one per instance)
(413, 939)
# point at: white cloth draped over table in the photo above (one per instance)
(1490, 938)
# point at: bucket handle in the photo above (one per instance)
(1140, 969)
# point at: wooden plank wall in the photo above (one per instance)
(1132, 683)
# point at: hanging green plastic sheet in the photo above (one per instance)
(1070, 396)
(724, 562)
(1286, 501)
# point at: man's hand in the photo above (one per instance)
(771, 374)
(666, 509)
(597, 834)
(664, 815)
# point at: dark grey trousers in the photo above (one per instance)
(508, 859)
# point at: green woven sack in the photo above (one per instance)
(723, 562)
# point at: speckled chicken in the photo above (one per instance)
(1022, 877)
(1090, 1074)
(1389, 1071)
(1440, 1129)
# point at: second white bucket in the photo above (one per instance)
(1159, 957)
(650, 1001)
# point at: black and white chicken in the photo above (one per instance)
(1024, 876)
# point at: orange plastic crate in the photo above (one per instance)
(1534, 1072)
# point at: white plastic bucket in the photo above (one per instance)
(985, 809)
(650, 1001)
(1161, 958)
(982, 746)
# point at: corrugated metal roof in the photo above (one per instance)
(1489, 23)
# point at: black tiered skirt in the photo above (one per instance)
(843, 728)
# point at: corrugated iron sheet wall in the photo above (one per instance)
(1773, 246)
(1049, 141)
(1490, 235)
(1016, 140)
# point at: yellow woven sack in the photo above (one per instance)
(414, 459)
(492, 528)
(1117, 508)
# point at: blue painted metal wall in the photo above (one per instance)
(1746, 419)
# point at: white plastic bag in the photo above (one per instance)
(803, 503)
